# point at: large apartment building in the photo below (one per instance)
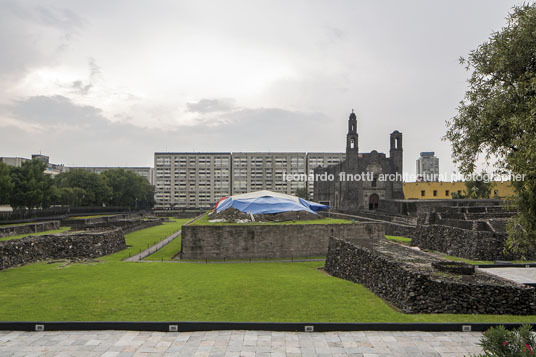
(191, 180)
(194, 180)
(264, 171)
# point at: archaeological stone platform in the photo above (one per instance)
(268, 241)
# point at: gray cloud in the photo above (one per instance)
(54, 110)
(83, 88)
(93, 140)
(394, 62)
(211, 105)
(61, 18)
(31, 36)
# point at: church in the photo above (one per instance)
(363, 179)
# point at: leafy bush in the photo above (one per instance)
(499, 342)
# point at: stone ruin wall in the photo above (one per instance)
(13, 230)
(268, 241)
(90, 244)
(416, 291)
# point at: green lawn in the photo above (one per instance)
(15, 224)
(123, 291)
(403, 240)
(94, 216)
(54, 231)
(203, 221)
(172, 248)
(113, 290)
(140, 240)
(168, 251)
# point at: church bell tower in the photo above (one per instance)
(352, 150)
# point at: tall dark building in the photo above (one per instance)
(362, 179)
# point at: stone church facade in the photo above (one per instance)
(359, 182)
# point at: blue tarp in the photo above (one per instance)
(269, 204)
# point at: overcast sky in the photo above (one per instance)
(108, 83)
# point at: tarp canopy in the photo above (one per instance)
(266, 202)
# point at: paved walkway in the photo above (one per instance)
(520, 275)
(237, 343)
(154, 248)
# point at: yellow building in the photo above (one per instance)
(444, 190)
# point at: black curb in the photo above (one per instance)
(512, 265)
(190, 326)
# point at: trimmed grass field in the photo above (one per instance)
(94, 216)
(140, 240)
(402, 240)
(54, 231)
(172, 248)
(203, 221)
(168, 251)
(113, 290)
(123, 291)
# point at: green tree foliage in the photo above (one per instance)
(497, 118)
(478, 188)
(302, 193)
(72, 196)
(129, 189)
(6, 186)
(84, 188)
(31, 186)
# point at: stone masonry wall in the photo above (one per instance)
(391, 228)
(8, 231)
(89, 244)
(268, 241)
(421, 290)
(470, 244)
(128, 225)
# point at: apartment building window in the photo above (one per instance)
(435, 193)
(423, 193)
(447, 193)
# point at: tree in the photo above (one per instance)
(478, 187)
(31, 186)
(302, 193)
(88, 188)
(497, 117)
(6, 186)
(129, 189)
(72, 196)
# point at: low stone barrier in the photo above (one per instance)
(128, 225)
(60, 246)
(465, 243)
(81, 222)
(268, 241)
(406, 278)
(13, 230)
(393, 227)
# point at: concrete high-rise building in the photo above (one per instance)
(199, 180)
(428, 167)
(264, 171)
(191, 180)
